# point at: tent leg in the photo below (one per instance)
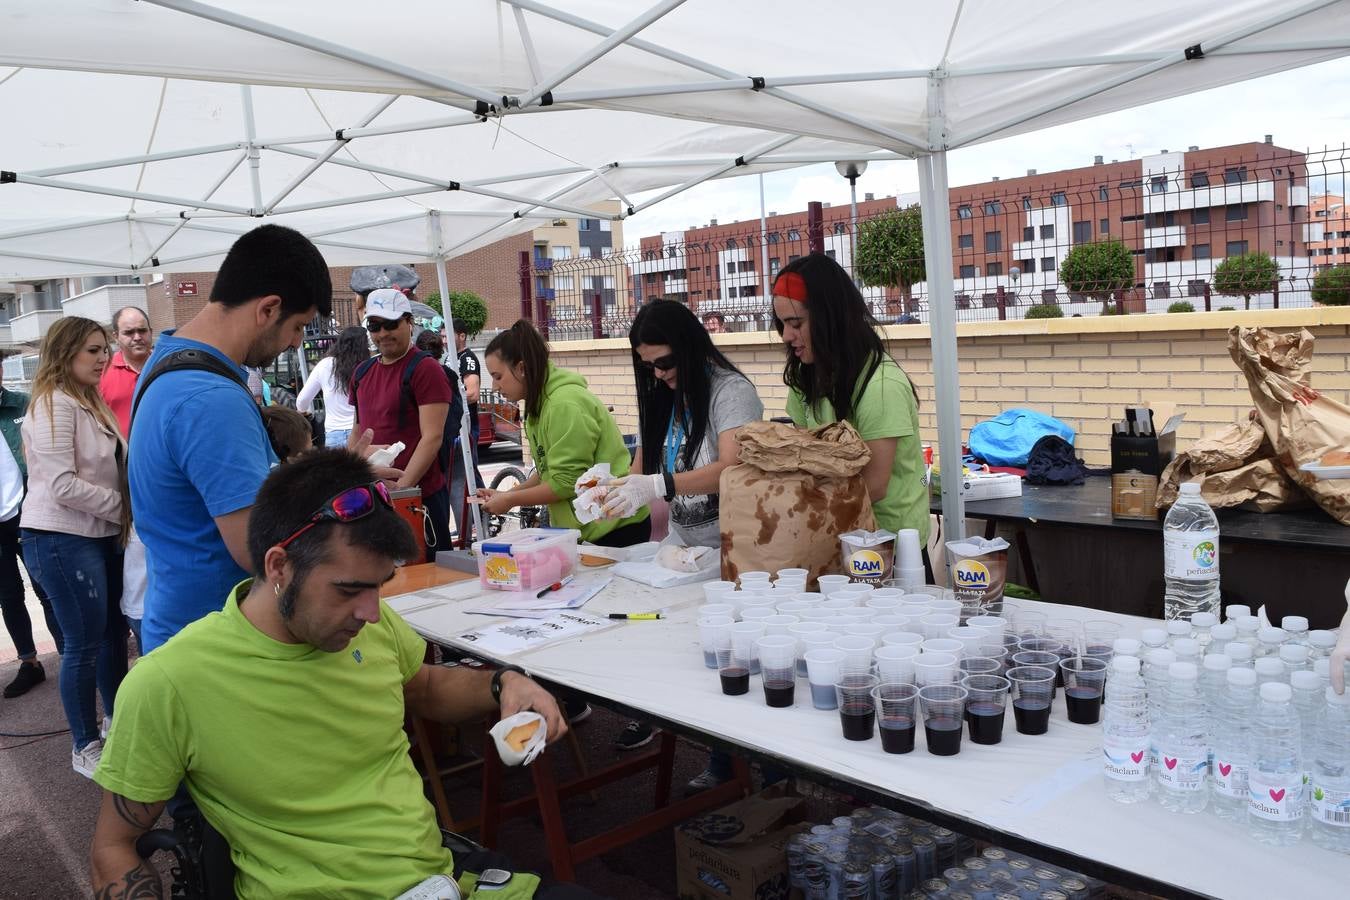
(937, 247)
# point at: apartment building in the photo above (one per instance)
(1330, 244)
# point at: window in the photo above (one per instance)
(773, 237)
(731, 292)
(731, 268)
(1321, 213)
(993, 241)
(1236, 248)
(962, 301)
(1049, 296)
(794, 235)
(989, 301)
(1058, 199)
(561, 252)
(606, 225)
(1082, 232)
(968, 272)
(1199, 179)
(584, 224)
(1200, 216)
(562, 282)
(1162, 290)
(1047, 264)
(1103, 193)
(965, 242)
(747, 266)
(840, 227)
(1157, 184)
(606, 252)
(707, 271)
(1131, 184)
(1104, 226)
(1237, 213)
(731, 243)
(750, 290)
(1160, 254)
(992, 207)
(995, 268)
(963, 212)
(1200, 251)
(830, 254)
(1026, 203)
(1135, 218)
(1028, 265)
(774, 265)
(585, 252)
(1048, 232)
(1195, 287)
(1235, 176)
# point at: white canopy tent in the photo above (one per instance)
(146, 134)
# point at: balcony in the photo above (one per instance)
(660, 264)
(1170, 236)
(544, 294)
(100, 303)
(1298, 195)
(32, 327)
(676, 286)
(543, 264)
(1314, 232)
(1214, 195)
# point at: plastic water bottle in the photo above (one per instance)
(1239, 653)
(1214, 678)
(1154, 638)
(1187, 650)
(1296, 629)
(1220, 636)
(1322, 668)
(1247, 629)
(1295, 658)
(1269, 641)
(1270, 669)
(1322, 643)
(1177, 629)
(1190, 556)
(1125, 732)
(1329, 808)
(1234, 611)
(1232, 745)
(1183, 743)
(1275, 782)
(1306, 698)
(1201, 624)
(1156, 664)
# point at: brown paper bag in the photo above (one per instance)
(791, 495)
(1301, 431)
(1234, 468)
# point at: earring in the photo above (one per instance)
(276, 589)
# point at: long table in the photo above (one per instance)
(1073, 551)
(1041, 795)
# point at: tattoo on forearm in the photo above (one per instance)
(138, 884)
(137, 815)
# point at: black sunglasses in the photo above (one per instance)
(664, 364)
(375, 326)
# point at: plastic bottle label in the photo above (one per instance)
(1125, 761)
(1330, 807)
(1184, 772)
(1193, 555)
(1230, 778)
(1275, 799)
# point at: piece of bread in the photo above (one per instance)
(1336, 458)
(595, 561)
(520, 736)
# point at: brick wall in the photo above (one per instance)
(1083, 371)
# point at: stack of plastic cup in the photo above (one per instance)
(808, 641)
(972, 640)
(1033, 692)
(831, 583)
(779, 624)
(988, 697)
(935, 668)
(936, 625)
(822, 674)
(902, 639)
(908, 559)
(1084, 680)
(758, 613)
(778, 668)
(892, 622)
(867, 630)
(743, 637)
(714, 631)
(713, 590)
(896, 714)
(943, 707)
(943, 645)
(755, 580)
(895, 664)
(857, 652)
(857, 711)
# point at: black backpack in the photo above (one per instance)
(407, 401)
(189, 359)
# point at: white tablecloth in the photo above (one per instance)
(1047, 789)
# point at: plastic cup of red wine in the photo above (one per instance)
(778, 668)
(896, 709)
(857, 714)
(986, 703)
(1033, 692)
(943, 707)
(1042, 658)
(1084, 680)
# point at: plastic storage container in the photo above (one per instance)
(527, 560)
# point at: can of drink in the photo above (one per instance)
(906, 866)
(796, 860)
(884, 876)
(857, 882)
(1045, 873)
(976, 864)
(1075, 887)
(955, 876)
(982, 890)
(1020, 866)
(1030, 887)
(946, 842)
(1053, 895)
(934, 887)
(814, 874)
(994, 853)
(925, 853)
(834, 871)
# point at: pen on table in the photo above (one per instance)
(635, 616)
(555, 586)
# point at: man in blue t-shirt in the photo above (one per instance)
(199, 450)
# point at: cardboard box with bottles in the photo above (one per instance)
(1140, 450)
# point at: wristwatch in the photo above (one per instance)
(670, 486)
(492, 880)
(497, 680)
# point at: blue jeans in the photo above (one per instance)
(83, 578)
(135, 626)
(336, 438)
(12, 608)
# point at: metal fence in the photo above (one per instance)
(1183, 219)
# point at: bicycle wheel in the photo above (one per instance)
(520, 517)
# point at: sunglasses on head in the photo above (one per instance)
(375, 326)
(348, 506)
(664, 364)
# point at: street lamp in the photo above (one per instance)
(852, 170)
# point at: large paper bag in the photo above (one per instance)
(791, 495)
(1301, 430)
(1234, 467)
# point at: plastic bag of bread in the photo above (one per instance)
(592, 491)
(520, 738)
(1303, 426)
(1235, 466)
(790, 496)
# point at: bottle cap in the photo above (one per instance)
(1270, 666)
(1294, 623)
(1204, 620)
(1179, 627)
(1338, 699)
(1182, 671)
(1126, 647)
(1271, 635)
(1224, 631)
(1276, 692)
(1294, 654)
(1242, 677)
(1239, 653)
(1236, 611)
(1125, 664)
(1186, 647)
(1217, 662)
(1189, 489)
(1322, 667)
(1322, 640)
(1305, 680)
(1161, 657)
(1155, 637)
(1248, 624)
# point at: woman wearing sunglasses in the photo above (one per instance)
(838, 370)
(569, 431)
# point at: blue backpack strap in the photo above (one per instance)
(360, 373)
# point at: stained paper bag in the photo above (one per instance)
(791, 495)
(1278, 368)
(1234, 467)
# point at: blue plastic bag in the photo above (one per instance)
(1007, 439)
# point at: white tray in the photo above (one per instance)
(1325, 473)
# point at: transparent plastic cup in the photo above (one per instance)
(867, 630)
(895, 664)
(778, 668)
(935, 668)
(755, 579)
(1027, 622)
(902, 638)
(1040, 658)
(793, 607)
(1098, 638)
(831, 583)
(822, 673)
(758, 613)
(809, 641)
(936, 625)
(949, 605)
(882, 604)
(943, 707)
(1033, 693)
(1084, 681)
(779, 623)
(892, 622)
(943, 645)
(985, 705)
(743, 637)
(972, 640)
(713, 591)
(792, 573)
(896, 706)
(857, 652)
(714, 631)
(715, 609)
(857, 713)
(980, 665)
(887, 593)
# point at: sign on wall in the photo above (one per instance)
(187, 288)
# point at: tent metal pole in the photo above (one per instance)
(309, 42)
(134, 160)
(128, 195)
(65, 226)
(92, 263)
(436, 246)
(934, 206)
(254, 156)
(614, 39)
(720, 170)
(426, 179)
(539, 204)
(740, 83)
(379, 223)
(566, 189)
(527, 43)
(764, 159)
(363, 198)
(326, 155)
(184, 219)
(322, 242)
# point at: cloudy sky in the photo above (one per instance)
(1304, 109)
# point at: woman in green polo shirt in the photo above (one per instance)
(838, 369)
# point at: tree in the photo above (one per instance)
(469, 310)
(1247, 274)
(1098, 269)
(1043, 311)
(890, 252)
(1331, 287)
(1181, 306)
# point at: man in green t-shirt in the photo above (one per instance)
(283, 713)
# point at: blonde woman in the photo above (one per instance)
(74, 520)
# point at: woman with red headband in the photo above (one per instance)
(838, 370)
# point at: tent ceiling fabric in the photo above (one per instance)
(665, 91)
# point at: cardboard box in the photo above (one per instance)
(738, 852)
(990, 486)
(1136, 463)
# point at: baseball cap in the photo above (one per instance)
(388, 304)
